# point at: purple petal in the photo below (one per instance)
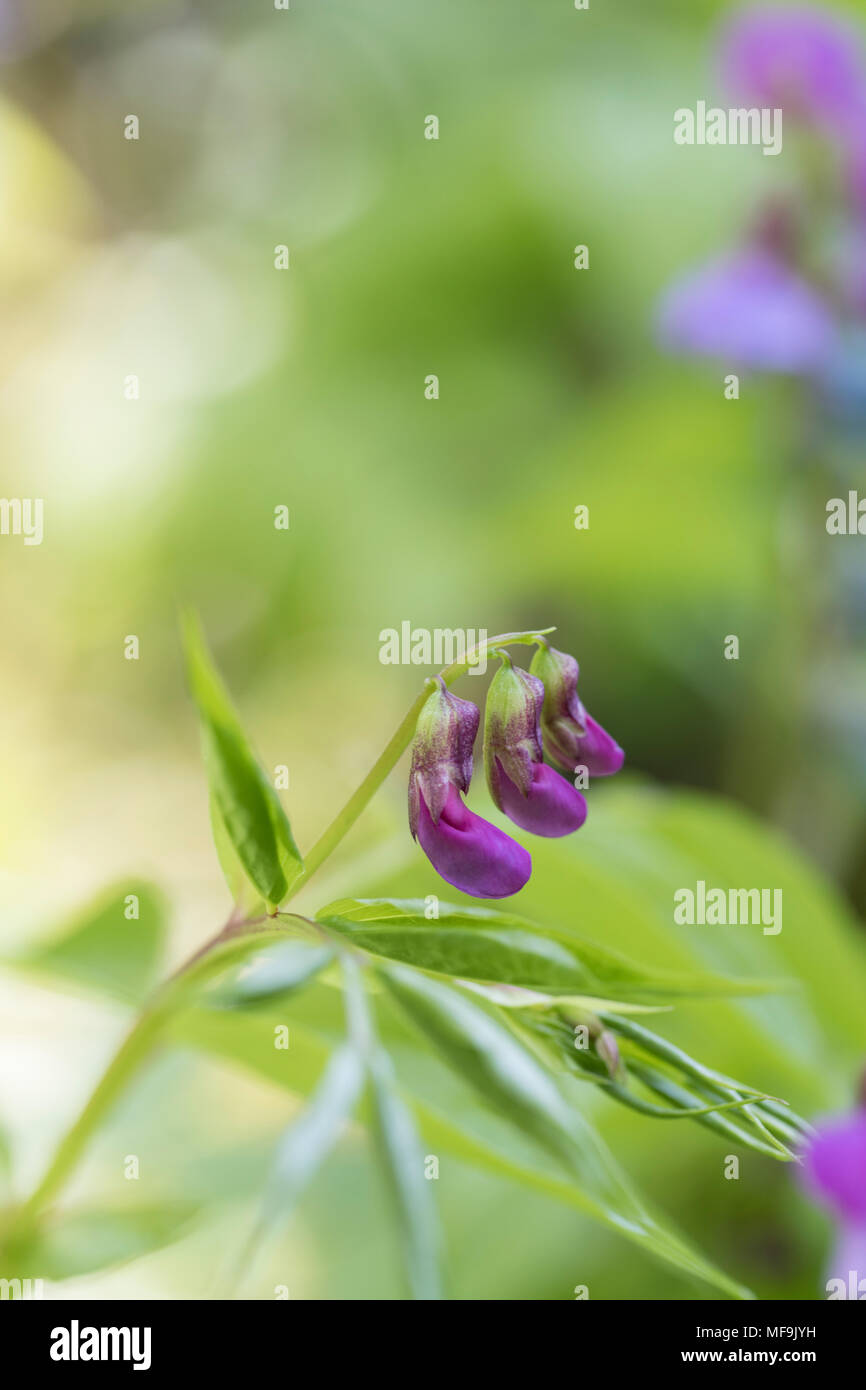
(806, 62)
(834, 1167)
(551, 807)
(600, 754)
(472, 854)
(849, 1257)
(750, 310)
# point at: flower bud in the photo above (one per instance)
(441, 752)
(529, 792)
(572, 738)
(608, 1050)
(467, 851)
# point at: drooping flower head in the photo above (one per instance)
(466, 850)
(530, 793)
(834, 1174)
(572, 738)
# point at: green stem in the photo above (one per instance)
(233, 938)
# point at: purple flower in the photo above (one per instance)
(572, 738)
(799, 59)
(467, 851)
(470, 853)
(834, 1167)
(441, 752)
(834, 1173)
(750, 309)
(530, 793)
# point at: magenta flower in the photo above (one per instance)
(799, 59)
(470, 853)
(834, 1173)
(572, 738)
(465, 850)
(530, 793)
(751, 310)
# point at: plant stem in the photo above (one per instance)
(212, 956)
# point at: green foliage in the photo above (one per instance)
(483, 944)
(79, 1242)
(249, 820)
(105, 949)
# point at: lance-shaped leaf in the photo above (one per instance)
(403, 1162)
(303, 1148)
(514, 1082)
(476, 943)
(399, 1147)
(244, 804)
(244, 1039)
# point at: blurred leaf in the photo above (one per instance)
(248, 1039)
(251, 813)
(403, 1162)
(309, 1139)
(279, 970)
(482, 944)
(304, 1147)
(399, 1146)
(515, 1083)
(104, 949)
(78, 1242)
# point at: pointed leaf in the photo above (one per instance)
(515, 1083)
(245, 803)
(476, 943)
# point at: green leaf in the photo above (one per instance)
(280, 970)
(481, 944)
(515, 1083)
(309, 1139)
(103, 948)
(244, 801)
(403, 1163)
(303, 1148)
(248, 1040)
(78, 1242)
(399, 1147)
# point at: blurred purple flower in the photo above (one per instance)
(834, 1174)
(470, 853)
(751, 310)
(806, 62)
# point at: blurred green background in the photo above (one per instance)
(306, 388)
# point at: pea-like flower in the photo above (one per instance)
(572, 738)
(834, 1172)
(531, 793)
(467, 851)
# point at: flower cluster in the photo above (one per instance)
(529, 714)
(792, 298)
